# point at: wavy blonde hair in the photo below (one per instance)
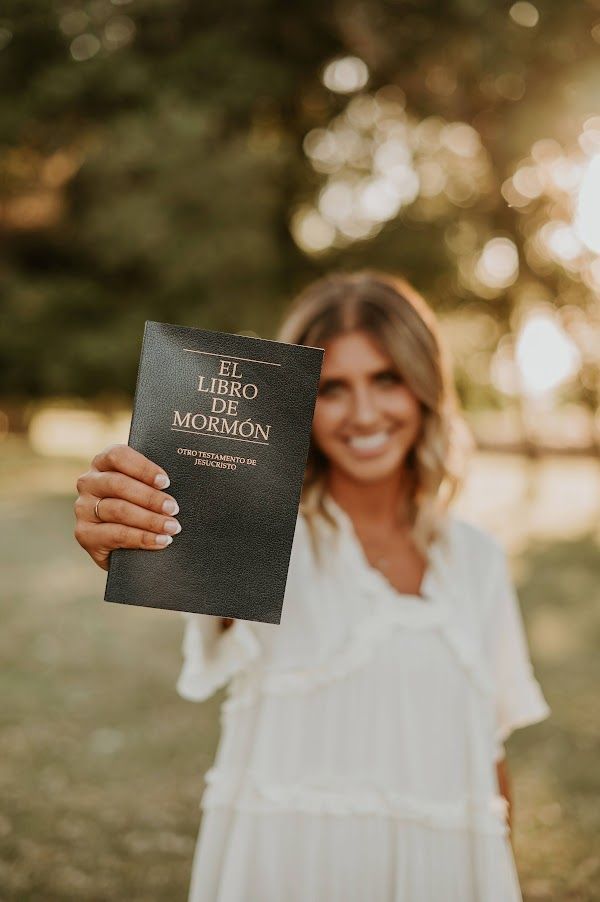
(389, 308)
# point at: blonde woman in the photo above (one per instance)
(361, 757)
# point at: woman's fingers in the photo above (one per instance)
(134, 512)
(127, 460)
(99, 539)
(122, 472)
(118, 511)
(118, 485)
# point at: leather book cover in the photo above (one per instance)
(228, 417)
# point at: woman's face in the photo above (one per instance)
(366, 419)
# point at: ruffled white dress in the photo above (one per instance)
(359, 736)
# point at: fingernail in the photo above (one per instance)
(162, 481)
(170, 507)
(172, 527)
(164, 540)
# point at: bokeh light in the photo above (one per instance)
(545, 355)
(524, 14)
(378, 161)
(310, 231)
(346, 75)
(498, 263)
(84, 47)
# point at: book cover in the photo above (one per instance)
(228, 417)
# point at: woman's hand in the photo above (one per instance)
(134, 512)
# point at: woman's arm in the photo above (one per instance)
(505, 789)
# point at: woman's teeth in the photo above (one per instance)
(368, 442)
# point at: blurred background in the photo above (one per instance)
(199, 163)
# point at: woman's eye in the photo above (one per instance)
(329, 388)
(389, 377)
(333, 387)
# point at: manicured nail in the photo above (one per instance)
(170, 507)
(162, 481)
(172, 527)
(164, 540)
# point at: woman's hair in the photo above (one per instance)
(395, 314)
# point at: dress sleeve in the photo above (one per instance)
(211, 657)
(519, 700)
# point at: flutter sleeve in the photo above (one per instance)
(212, 657)
(519, 700)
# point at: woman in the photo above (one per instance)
(361, 756)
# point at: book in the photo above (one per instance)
(228, 417)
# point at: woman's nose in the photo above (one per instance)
(364, 409)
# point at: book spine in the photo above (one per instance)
(134, 413)
(132, 425)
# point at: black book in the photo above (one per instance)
(228, 417)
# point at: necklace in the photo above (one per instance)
(382, 560)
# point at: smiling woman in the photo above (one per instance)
(362, 747)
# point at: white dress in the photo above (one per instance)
(359, 736)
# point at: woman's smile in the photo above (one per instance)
(371, 445)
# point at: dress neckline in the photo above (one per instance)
(426, 594)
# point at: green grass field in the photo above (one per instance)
(101, 764)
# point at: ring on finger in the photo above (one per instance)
(98, 517)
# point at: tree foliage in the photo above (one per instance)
(152, 156)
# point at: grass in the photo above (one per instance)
(102, 763)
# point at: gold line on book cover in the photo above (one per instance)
(231, 438)
(233, 357)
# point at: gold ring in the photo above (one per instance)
(98, 517)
